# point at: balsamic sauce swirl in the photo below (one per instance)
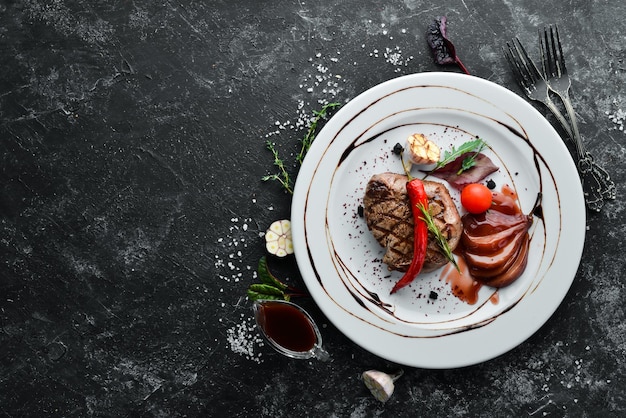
(370, 301)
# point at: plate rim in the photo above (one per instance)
(303, 183)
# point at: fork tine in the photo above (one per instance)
(543, 50)
(529, 65)
(555, 59)
(508, 53)
(561, 56)
(547, 61)
(515, 62)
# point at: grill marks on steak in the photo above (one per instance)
(388, 215)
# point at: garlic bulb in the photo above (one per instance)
(381, 384)
(421, 150)
(278, 238)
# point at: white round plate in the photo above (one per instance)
(340, 261)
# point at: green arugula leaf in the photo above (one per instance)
(470, 160)
(448, 156)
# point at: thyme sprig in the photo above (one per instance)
(283, 176)
(308, 139)
(442, 242)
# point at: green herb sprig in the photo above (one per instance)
(283, 176)
(270, 287)
(442, 242)
(474, 147)
(308, 139)
(470, 160)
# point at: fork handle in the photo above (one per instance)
(575, 133)
(559, 116)
(596, 182)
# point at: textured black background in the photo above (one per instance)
(132, 143)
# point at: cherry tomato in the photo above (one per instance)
(476, 198)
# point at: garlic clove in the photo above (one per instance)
(278, 238)
(380, 384)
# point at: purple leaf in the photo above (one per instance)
(453, 174)
(443, 49)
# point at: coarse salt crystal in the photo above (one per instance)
(618, 116)
(242, 339)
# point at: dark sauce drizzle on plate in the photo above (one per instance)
(364, 295)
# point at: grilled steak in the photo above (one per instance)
(388, 215)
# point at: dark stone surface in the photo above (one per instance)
(132, 143)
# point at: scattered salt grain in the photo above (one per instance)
(394, 57)
(232, 263)
(617, 116)
(243, 338)
(320, 83)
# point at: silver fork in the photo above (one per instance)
(531, 81)
(597, 183)
(534, 85)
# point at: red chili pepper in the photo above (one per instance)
(417, 196)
